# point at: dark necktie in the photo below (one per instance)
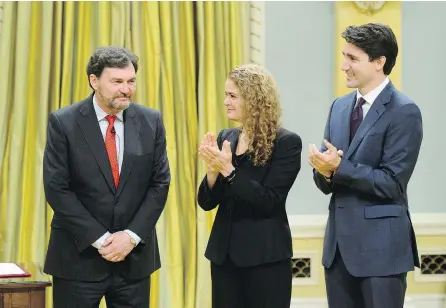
(356, 118)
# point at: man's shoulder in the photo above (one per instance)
(345, 99)
(401, 99)
(145, 111)
(404, 106)
(69, 110)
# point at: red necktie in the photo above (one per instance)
(110, 145)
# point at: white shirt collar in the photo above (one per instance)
(101, 114)
(372, 95)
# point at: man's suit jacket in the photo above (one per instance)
(368, 214)
(251, 224)
(79, 187)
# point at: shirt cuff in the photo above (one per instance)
(98, 244)
(133, 236)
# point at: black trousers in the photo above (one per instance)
(263, 286)
(347, 291)
(118, 292)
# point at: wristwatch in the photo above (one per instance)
(132, 241)
(328, 178)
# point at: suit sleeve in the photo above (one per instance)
(73, 216)
(209, 198)
(401, 148)
(145, 219)
(283, 169)
(325, 186)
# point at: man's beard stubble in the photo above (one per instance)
(112, 104)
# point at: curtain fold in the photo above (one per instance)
(185, 49)
(220, 48)
(163, 33)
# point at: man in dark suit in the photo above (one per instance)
(372, 140)
(106, 176)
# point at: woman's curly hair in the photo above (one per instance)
(261, 109)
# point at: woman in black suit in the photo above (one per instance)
(250, 171)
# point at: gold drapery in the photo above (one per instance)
(44, 50)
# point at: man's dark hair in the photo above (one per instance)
(110, 56)
(376, 40)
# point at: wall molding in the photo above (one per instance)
(1, 18)
(412, 301)
(257, 32)
(313, 226)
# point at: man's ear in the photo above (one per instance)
(93, 81)
(379, 63)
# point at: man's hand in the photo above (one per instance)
(325, 163)
(220, 161)
(116, 247)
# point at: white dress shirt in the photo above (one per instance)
(119, 137)
(119, 128)
(371, 96)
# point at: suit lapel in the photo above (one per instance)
(131, 137)
(89, 125)
(233, 139)
(376, 111)
(346, 113)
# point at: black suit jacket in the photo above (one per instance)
(79, 187)
(251, 224)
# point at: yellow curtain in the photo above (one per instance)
(221, 47)
(44, 49)
(163, 36)
(347, 14)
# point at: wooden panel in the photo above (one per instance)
(23, 298)
(20, 299)
(7, 300)
(38, 298)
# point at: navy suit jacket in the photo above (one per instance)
(369, 216)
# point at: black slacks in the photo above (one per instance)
(262, 286)
(347, 291)
(118, 292)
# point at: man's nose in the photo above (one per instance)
(125, 89)
(345, 66)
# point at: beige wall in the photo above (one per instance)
(425, 243)
(299, 42)
(299, 49)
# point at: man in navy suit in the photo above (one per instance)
(371, 144)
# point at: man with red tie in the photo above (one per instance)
(106, 176)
